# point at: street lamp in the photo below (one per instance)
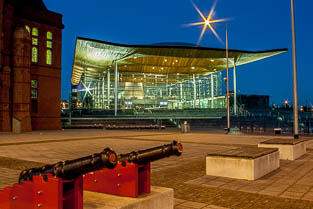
(207, 23)
(295, 85)
(227, 89)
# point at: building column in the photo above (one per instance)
(235, 89)
(21, 117)
(144, 86)
(199, 90)
(181, 91)
(108, 87)
(212, 91)
(194, 90)
(103, 103)
(115, 87)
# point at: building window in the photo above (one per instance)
(49, 44)
(49, 57)
(34, 89)
(49, 48)
(34, 106)
(34, 95)
(27, 28)
(35, 41)
(35, 32)
(49, 35)
(34, 54)
(34, 84)
(35, 44)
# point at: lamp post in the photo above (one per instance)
(295, 85)
(207, 22)
(227, 89)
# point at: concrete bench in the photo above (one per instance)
(248, 163)
(277, 130)
(289, 149)
(159, 198)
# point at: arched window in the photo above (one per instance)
(35, 32)
(49, 35)
(27, 28)
(34, 54)
(49, 48)
(49, 57)
(49, 40)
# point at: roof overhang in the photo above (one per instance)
(94, 57)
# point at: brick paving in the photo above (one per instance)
(288, 187)
(294, 179)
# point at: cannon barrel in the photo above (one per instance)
(71, 169)
(144, 156)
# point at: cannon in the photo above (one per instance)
(148, 155)
(131, 176)
(57, 185)
(61, 185)
(71, 169)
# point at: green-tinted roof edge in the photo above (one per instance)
(178, 47)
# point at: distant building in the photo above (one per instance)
(30, 66)
(251, 101)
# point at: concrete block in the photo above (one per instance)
(289, 149)
(16, 125)
(241, 163)
(159, 198)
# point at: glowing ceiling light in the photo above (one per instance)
(212, 60)
(165, 60)
(193, 68)
(176, 60)
(162, 68)
(207, 22)
(153, 68)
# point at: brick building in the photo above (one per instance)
(30, 66)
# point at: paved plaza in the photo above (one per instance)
(291, 186)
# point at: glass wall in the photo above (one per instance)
(150, 91)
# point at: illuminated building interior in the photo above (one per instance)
(149, 77)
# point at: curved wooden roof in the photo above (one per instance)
(93, 57)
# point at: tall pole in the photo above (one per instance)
(227, 92)
(295, 85)
(235, 88)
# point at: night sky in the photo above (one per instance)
(255, 25)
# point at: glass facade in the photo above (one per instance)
(150, 91)
(164, 79)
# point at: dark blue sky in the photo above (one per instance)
(255, 25)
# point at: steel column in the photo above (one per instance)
(212, 90)
(235, 88)
(295, 83)
(194, 91)
(108, 88)
(115, 87)
(227, 93)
